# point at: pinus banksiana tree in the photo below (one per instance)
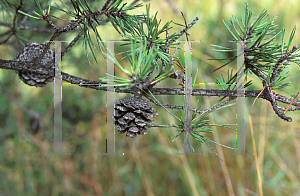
(151, 61)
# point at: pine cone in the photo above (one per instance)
(29, 53)
(131, 116)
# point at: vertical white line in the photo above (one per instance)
(110, 102)
(188, 95)
(240, 99)
(58, 100)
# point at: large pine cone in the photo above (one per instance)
(31, 52)
(131, 116)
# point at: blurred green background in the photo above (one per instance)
(150, 165)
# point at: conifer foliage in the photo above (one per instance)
(150, 42)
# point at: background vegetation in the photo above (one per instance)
(149, 166)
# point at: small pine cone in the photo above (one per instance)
(132, 115)
(29, 53)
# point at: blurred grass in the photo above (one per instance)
(149, 166)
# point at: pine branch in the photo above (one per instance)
(31, 67)
(261, 58)
(277, 71)
(184, 31)
(275, 105)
